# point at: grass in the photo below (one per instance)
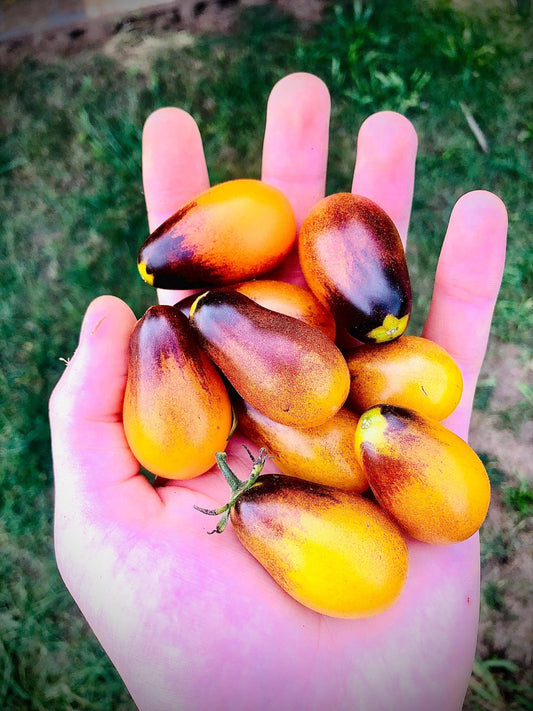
(73, 218)
(492, 684)
(520, 498)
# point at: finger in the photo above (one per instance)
(385, 165)
(174, 169)
(467, 282)
(88, 442)
(295, 148)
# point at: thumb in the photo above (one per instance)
(88, 443)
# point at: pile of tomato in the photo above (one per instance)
(320, 378)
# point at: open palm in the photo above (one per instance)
(192, 621)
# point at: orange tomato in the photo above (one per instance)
(324, 454)
(426, 477)
(234, 231)
(177, 412)
(289, 299)
(411, 372)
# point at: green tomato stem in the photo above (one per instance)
(229, 476)
(238, 487)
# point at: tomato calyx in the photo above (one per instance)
(238, 486)
(390, 330)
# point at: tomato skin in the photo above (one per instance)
(411, 372)
(426, 477)
(323, 454)
(353, 260)
(333, 551)
(176, 412)
(292, 300)
(289, 299)
(287, 370)
(234, 231)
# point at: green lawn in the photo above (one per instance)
(73, 219)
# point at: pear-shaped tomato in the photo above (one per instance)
(177, 412)
(289, 371)
(234, 231)
(426, 477)
(353, 260)
(411, 372)
(333, 551)
(323, 454)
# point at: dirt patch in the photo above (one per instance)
(503, 429)
(63, 28)
(506, 628)
(502, 433)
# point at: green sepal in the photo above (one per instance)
(238, 487)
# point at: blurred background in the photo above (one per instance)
(77, 81)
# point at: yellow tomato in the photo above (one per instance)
(323, 454)
(336, 553)
(425, 476)
(333, 551)
(411, 372)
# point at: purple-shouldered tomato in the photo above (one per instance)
(425, 476)
(333, 551)
(289, 371)
(353, 260)
(177, 413)
(234, 231)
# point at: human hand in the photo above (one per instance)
(192, 621)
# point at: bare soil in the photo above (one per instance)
(506, 629)
(62, 27)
